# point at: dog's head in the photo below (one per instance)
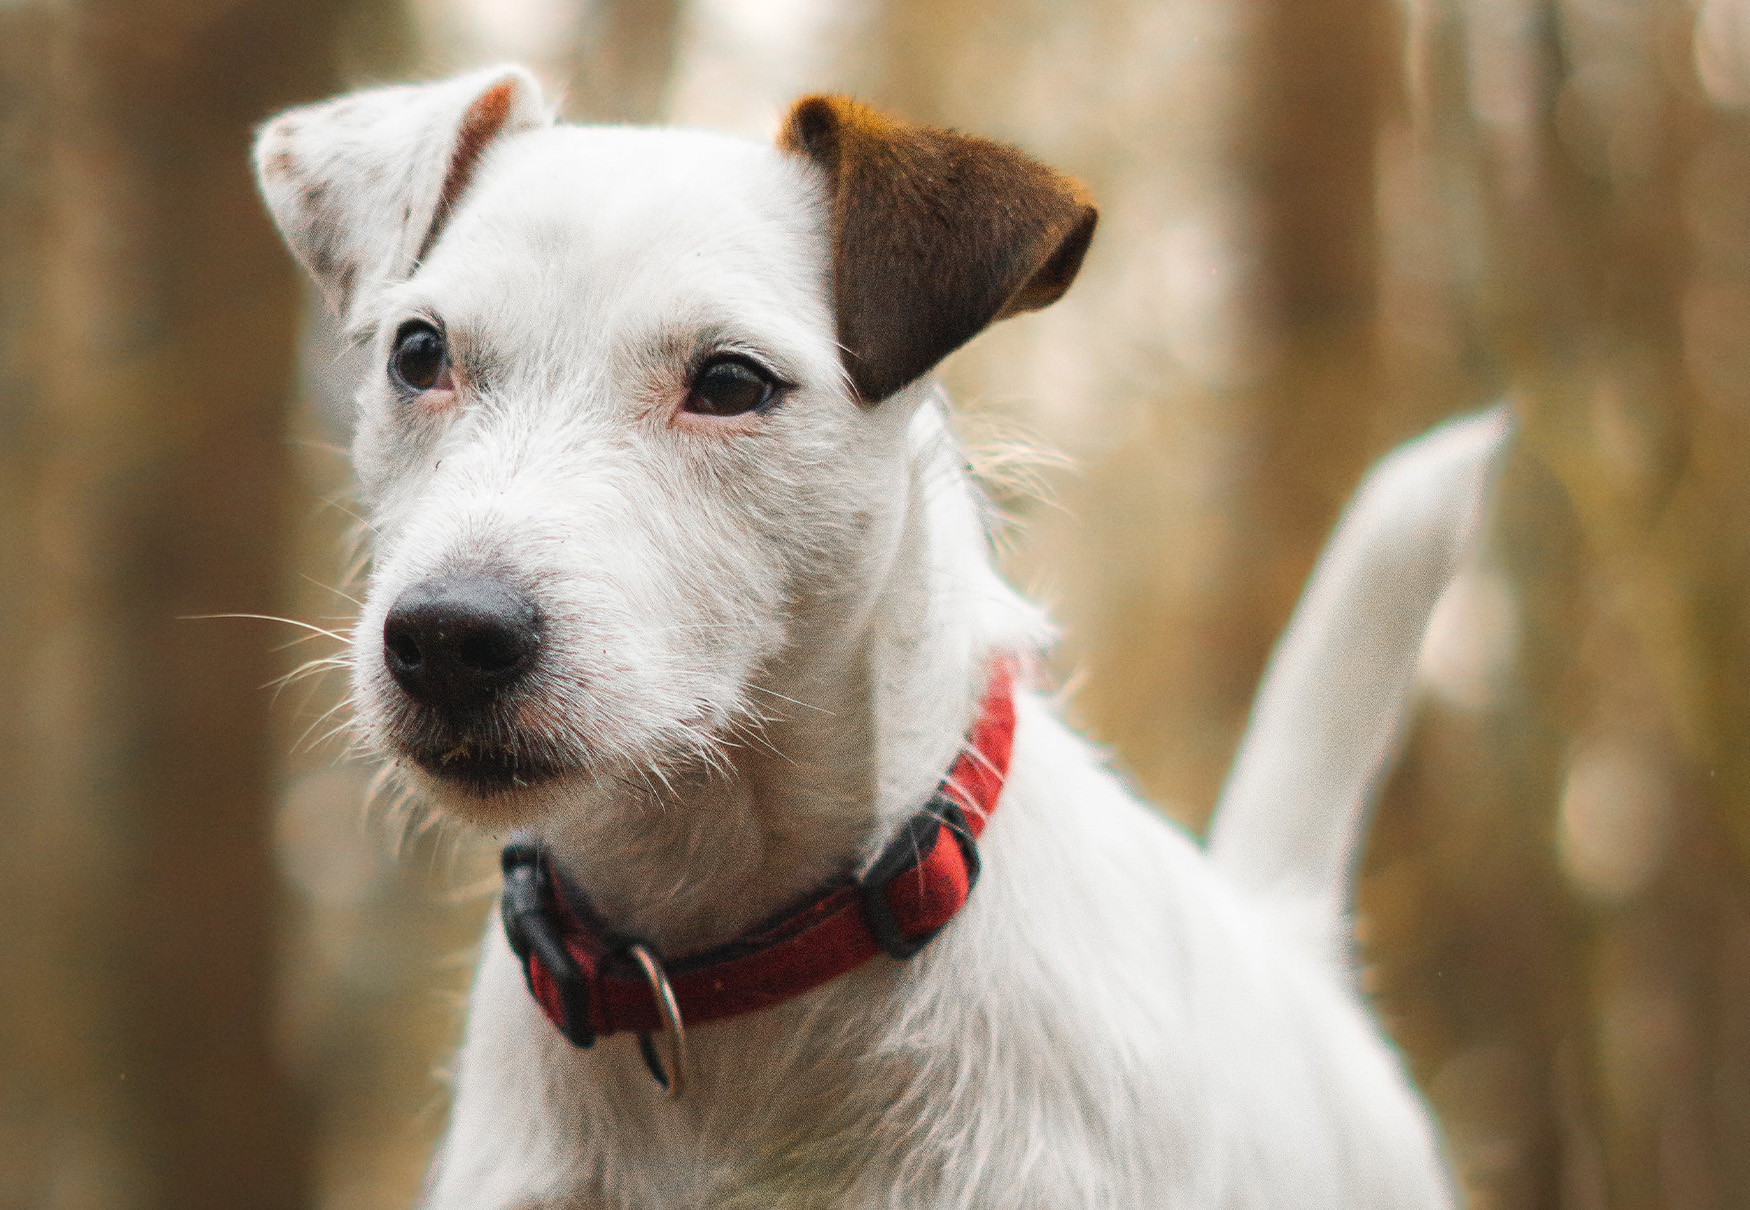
(639, 403)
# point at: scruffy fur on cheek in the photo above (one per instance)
(723, 659)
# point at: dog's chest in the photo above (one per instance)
(1099, 1026)
(783, 1108)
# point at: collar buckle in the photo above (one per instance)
(537, 936)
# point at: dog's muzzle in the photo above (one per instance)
(459, 648)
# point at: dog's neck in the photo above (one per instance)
(864, 715)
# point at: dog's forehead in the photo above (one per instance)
(630, 215)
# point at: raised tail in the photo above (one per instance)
(1329, 713)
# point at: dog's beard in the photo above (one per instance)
(515, 757)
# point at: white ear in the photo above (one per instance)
(361, 186)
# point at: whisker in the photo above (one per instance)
(263, 617)
(792, 701)
(338, 507)
(316, 722)
(330, 588)
(308, 668)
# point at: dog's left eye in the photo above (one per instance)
(730, 385)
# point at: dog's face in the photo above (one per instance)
(638, 417)
(609, 403)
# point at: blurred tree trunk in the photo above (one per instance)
(1321, 82)
(1598, 297)
(154, 321)
(1574, 983)
(1462, 905)
(56, 1120)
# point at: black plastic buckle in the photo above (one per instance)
(916, 841)
(533, 931)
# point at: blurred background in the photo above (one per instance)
(230, 977)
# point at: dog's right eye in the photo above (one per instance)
(420, 360)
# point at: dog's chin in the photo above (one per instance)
(490, 789)
(485, 773)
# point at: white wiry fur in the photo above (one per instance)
(765, 641)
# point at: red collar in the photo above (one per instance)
(586, 979)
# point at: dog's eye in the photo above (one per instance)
(730, 385)
(420, 360)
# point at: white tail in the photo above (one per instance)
(1328, 715)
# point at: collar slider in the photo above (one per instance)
(912, 855)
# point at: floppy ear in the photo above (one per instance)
(936, 236)
(361, 186)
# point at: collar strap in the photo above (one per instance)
(589, 984)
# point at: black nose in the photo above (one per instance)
(454, 642)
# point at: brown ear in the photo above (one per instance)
(936, 236)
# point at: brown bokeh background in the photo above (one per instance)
(230, 977)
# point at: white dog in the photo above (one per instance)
(679, 575)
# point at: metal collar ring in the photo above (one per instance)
(670, 1075)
